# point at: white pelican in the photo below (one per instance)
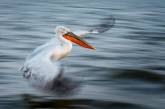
(42, 68)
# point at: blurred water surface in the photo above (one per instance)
(125, 72)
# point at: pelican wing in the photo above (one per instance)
(47, 47)
(105, 25)
(39, 68)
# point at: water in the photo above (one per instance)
(125, 72)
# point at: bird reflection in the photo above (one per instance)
(60, 85)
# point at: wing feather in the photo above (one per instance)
(106, 24)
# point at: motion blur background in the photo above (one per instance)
(125, 72)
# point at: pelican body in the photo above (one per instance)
(42, 67)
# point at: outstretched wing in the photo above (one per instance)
(106, 24)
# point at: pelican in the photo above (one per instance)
(42, 67)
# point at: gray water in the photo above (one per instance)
(125, 72)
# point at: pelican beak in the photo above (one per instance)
(77, 40)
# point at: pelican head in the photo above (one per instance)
(62, 30)
(65, 34)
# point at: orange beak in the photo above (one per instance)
(77, 40)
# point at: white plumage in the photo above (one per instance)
(42, 68)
